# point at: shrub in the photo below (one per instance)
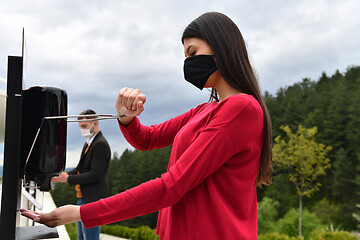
(290, 223)
(267, 214)
(278, 236)
(140, 233)
(325, 211)
(144, 233)
(323, 235)
(117, 230)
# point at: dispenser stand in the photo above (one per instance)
(11, 187)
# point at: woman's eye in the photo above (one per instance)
(193, 53)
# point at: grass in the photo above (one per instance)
(72, 230)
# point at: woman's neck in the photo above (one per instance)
(225, 90)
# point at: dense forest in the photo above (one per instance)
(331, 104)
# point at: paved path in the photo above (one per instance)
(109, 237)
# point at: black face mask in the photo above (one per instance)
(198, 69)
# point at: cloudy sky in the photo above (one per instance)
(92, 49)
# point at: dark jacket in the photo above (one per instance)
(92, 168)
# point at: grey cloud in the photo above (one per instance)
(92, 49)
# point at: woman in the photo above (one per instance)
(221, 149)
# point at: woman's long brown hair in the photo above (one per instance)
(225, 39)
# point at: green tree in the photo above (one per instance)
(305, 159)
(267, 214)
(288, 225)
(133, 168)
(326, 212)
(63, 194)
(355, 215)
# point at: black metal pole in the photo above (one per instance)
(11, 186)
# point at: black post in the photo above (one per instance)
(12, 181)
(11, 186)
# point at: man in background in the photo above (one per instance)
(90, 175)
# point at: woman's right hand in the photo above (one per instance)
(130, 102)
(60, 216)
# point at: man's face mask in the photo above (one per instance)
(198, 69)
(86, 132)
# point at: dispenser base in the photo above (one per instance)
(36, 232)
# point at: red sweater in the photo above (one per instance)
(209, 190)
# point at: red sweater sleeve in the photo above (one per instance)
(161, 135)
(213, 146)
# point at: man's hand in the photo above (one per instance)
(61, 178)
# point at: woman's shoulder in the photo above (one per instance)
(240, 101)
(200, 107)
(231, 105)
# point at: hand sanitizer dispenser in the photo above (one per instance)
(43, 141)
